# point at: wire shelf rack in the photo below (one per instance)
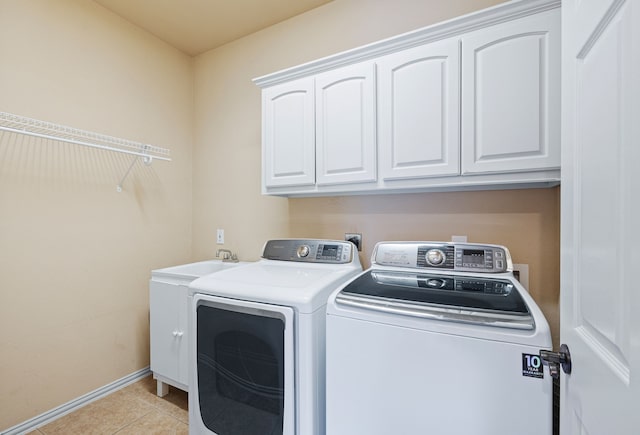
(47, 130)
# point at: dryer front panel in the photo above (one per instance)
(244, 367)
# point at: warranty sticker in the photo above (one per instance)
(532, 366)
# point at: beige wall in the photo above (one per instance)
(75, 255)
(227, 155)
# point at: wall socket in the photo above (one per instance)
(354, 238)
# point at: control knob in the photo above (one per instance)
(303, 251)
(435, 257)
(435, 283)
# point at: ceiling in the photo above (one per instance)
(196, 26)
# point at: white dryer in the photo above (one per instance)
(437, 338)
(257, 340)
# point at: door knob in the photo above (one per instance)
(556, 360)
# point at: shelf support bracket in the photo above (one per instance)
(126, 174)
(147, 161)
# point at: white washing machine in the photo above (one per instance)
(437, 338)
(257, 340)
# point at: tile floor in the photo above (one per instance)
(133, 410)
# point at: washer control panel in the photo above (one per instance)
(463, 257)
(309, 251)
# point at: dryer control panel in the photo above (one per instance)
(463, 257)
(309, 251)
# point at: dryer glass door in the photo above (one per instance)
(244, 367)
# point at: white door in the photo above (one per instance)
(600, 290)
(289, 134)
(419, 111)
(345, 125)
(511, 96)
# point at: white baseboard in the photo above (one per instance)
(75, 404)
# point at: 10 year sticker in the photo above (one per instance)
(532, 366)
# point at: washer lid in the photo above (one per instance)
(467, 299)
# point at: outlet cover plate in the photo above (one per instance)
(354, 238)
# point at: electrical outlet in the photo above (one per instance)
(220, 236)
(354, 238)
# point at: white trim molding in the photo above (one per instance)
(75, 404)
(455, 26)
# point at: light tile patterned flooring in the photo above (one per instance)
(133, 410)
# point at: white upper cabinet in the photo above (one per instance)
(419, 111)
(288, 141)
(345, 125)
(511, 96)
(470, 103)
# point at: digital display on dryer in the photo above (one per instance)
(330, 251)
(473, 256)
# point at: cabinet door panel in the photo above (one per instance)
(289, 134)
(345, 125)
(418, 111)
(182, 306)
(510, 96)
(164, 303)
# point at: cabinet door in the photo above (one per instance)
(289, 134)
(182, 306)
(345, 125)
(511, 95)
(168, 340)
(419, 111)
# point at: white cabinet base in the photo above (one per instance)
(162, 389)
(162, 385)
(516, 180)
